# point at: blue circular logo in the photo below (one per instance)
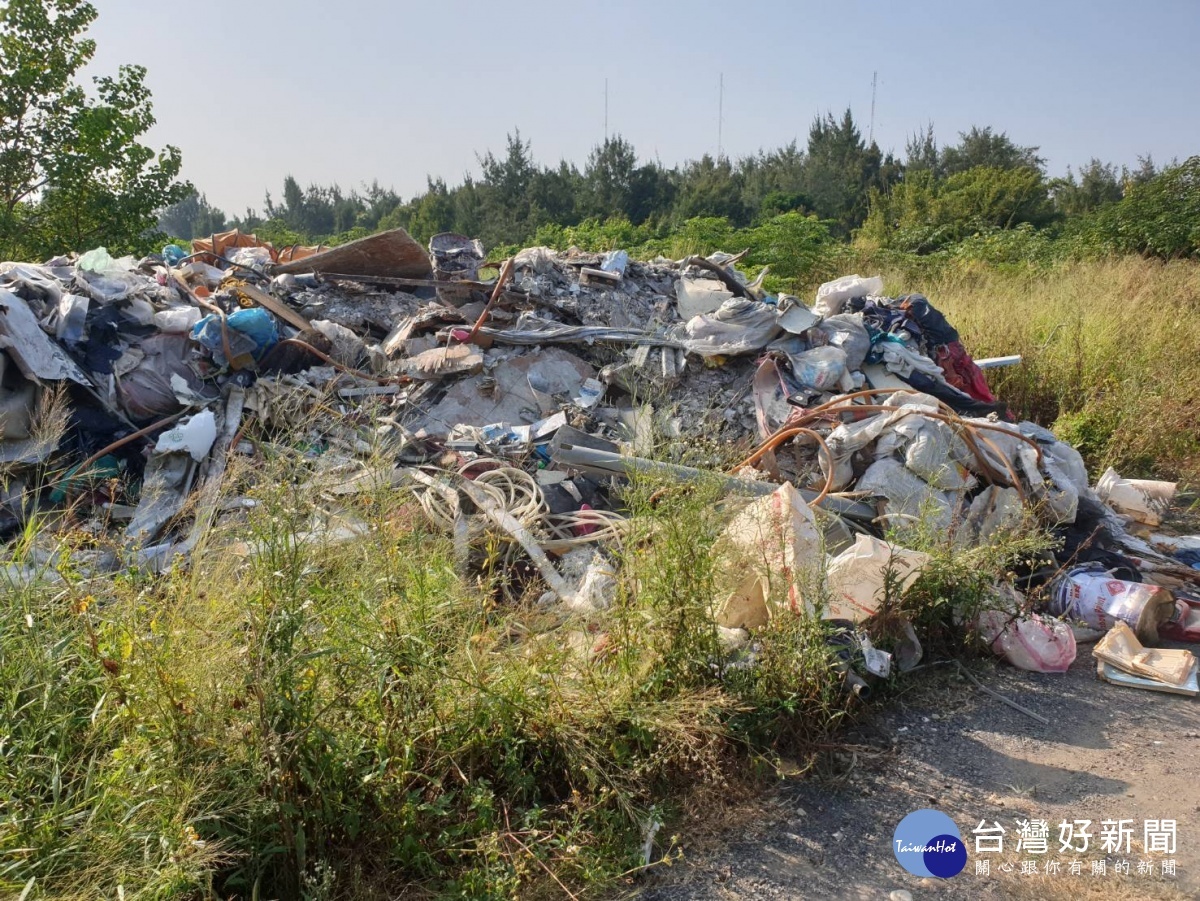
(928, 843)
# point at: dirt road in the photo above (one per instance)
(1109, 753)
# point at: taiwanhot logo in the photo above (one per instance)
(927, 843)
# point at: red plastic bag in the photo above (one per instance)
(1033, 643)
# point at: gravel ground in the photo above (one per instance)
(1108, 753)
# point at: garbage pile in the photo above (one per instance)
(515, 403)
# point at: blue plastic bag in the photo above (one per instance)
(255, 324)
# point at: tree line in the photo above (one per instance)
(74, 174)
(931, 198)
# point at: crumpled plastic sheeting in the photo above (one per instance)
(34, 283)
(931, 449)
(107, 287)
(147, 391)
(739, 326)
(832, 296)
(821, 368)
(851, 437)
(1065, 478)
(993, 510)
(539, 259)
(846, 330)
(910, 499)
(348, 348)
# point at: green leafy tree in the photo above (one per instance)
(73, 173)
(434, 213)
(711, 188)
(791, 244)
(1159, 217)
(555, 194)
(191, 217)
(1098, 185)
(923, 213)
(651, 193)
(1145, 172)
(775, 182)
(468, 211)
(984, 147)
(921, 152)
(505, 197)
(608, 178)
(840, 170)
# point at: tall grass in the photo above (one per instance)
(290, 716)
(1111, 353)
(294, 716)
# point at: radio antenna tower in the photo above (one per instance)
(720, 116)
(871, 133)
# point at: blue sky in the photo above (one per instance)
(360, 89)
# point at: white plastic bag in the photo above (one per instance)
(177, 320)
(775, 536)
(821, 368)
(194, 435)
(857, 576)
(739, 326)
(832, 296)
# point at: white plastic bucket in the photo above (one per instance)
(1094, 597)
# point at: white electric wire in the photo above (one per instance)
(517, 493)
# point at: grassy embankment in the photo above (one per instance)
(1111, 354)
(364, 719)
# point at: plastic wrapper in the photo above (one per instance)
(846, 330)
(738, 326)
(833, 296)
(821, 368)
(1033, 643)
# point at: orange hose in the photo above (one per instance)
(952, 419)
(505, 272)
(782, 435)
(829, 458)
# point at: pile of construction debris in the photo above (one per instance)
(517, 401)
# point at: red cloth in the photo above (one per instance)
(961, 372)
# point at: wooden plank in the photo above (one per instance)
(272, 305)
(390, 254)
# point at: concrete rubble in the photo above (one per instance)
(515, 404)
